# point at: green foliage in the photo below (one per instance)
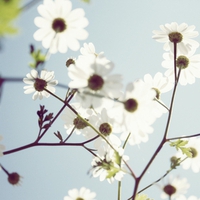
(180, 145)
(9, 10)
(37, 56)
(142, 197)
(112, 171)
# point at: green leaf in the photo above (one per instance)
(180, 145)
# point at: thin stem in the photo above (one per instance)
(157, 100)
(175, 47)
(182, 137)
(4, 170)
(119, 190)
(70, 134)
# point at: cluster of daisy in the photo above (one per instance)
(105, 112)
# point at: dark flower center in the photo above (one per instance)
(182, 62)
(105, 129)
(95, 82)
(131, 105)
(59, 25)
(157, 93)
(175, 37)
(194, 152)
(40, 84)
(69, 62)
(169, 189)
(14, 178)
(79, 123)
(79, 198)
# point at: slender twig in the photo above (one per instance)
(182, 137)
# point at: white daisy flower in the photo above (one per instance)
(2, 148)
(82, 194)
(72, 122)
(104, 124)
(108, 165)
(159, 84)
(91, 75)
(60, 27)
(194, 162)
(174, 188)
(181, 34)
(189, 65)
(37, 83)
(136, 112)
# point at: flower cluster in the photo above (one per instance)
(103, 112)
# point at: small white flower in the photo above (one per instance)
(2, 148)
(82, 194)
(37, 83)
(174, 188)
(60, 27)
(73, 122)
(181, 34)
(136, 112)
(159, 84)
(194, 162)
(104, 124)
(189, 65)
(108, 165)
(91, 75)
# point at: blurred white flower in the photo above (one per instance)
(159, 84)
(60, 27)
(37, 83)
(181, 34)
(189, 65)
(104, 124)
(91, 75)
(136, 112)
(82, 194)
(73, 122)
(108, 165)
(174, 188)
(194, 162)
(2, 148)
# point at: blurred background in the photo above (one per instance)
(123, 30)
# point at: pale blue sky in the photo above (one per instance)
(123, 30)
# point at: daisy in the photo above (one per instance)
(72, 122)
(174, 188)
(82, 194)
(108, 165)
(2, 148)
(136, 113)
(37, 83)
(189, 65)
(91, 75)
(194, 162)
(159, 84)
(60, 27)
(104, 124)
(180, 34)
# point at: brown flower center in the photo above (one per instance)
(95, 82)
(105, 129)
(169, 189)
(182, 62)
(40, 84)
(175, 37)
(59, 25)
(131, 105)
